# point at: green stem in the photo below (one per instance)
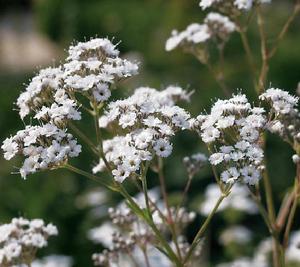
(205, 225)
(170, 220)
(102, 181)
(132, 204)
(264, 52)
(145, 189)
(285, 28)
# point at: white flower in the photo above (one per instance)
(127, 119)
(102, 92)
(225, 122)
(20, 239)
(10, 147)
(210, 135)
(194, 34)
(121, 173)
(230, 175)
(216, 158)
(296, 158)
(250, 175)
(163, 148)
(151, 121)
(282, 102)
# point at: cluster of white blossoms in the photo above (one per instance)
(284, 114)
(215, 27)
(127, 235)
(92, 68)
(44, 147)
(241, 5)
(151, 118)
(239, 199)
(231, 132)
(20, 239)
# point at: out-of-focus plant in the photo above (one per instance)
(134, 136)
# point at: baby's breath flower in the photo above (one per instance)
(232, 132)
(91, 69)
(231, 6)
(21, 238)
(151, 119)
(44, 147)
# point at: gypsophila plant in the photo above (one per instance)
(21, 238)
(134, 136)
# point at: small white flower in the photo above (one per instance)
(121, 173)
(163, 148)
(216, 158)
(296, 158)
(210, 135)
(127, 119)
(230, 175)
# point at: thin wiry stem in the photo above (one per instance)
(285, 28)
(284, 210)
(247, 49)
(219, 79)
(204, 226)
(103, 181)
(166, 202)
(168, 250)
(256, 197)
(264, 51)
(290, 220)
(146, 257)
(184, 195)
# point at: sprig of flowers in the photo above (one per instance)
(232, 132)
(152, 118)
(21, 238)
(215, 27)
(92, 69)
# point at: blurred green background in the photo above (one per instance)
(36, 33)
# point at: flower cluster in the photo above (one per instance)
(44, 147)
(152, 118)
(284, 114)
(92, 68)
(215, 27)
(239, 199)
(232, 131)
(225, 5)
(128, 235)
(20, 239)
